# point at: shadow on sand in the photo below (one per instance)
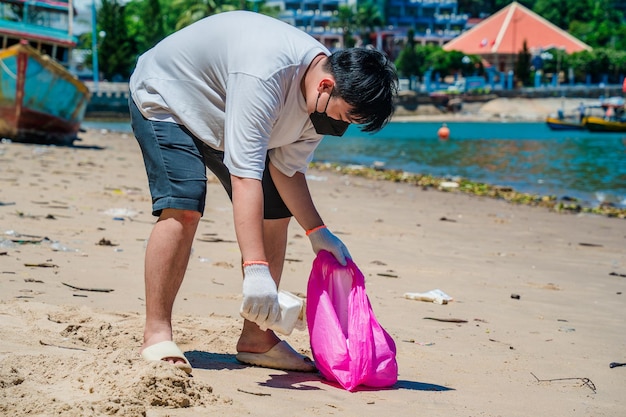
(294, 380)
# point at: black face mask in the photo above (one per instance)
(326, 125)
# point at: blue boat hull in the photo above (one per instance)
(40, 101)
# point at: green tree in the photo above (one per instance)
(563, 12)
(146, 23)
(186, 12)
(409, 63)
(489, 7)
(367, 18)
(190, 11)
(438, 60)
(117, 50)
(522, 65)
(345, 19)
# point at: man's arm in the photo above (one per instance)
(260, 293)
(248, 217)
(295, 193)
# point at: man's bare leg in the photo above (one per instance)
(167, 256)
(252, 338)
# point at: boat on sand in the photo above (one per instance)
(41, 101)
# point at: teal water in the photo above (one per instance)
(526, 156)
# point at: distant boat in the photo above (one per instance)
(555, 123)
(614, 119)
(577, 120)
(41, 101)
(598, 124)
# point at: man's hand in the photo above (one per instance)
(322, 239)
(260, 296)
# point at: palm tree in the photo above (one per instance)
(345, 20)
(190, 11)
(367, 18)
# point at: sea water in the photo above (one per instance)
(526, 156)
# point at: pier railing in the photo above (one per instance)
(108, 99)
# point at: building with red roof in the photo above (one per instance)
(500, 38)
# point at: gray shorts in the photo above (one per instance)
(176, 163)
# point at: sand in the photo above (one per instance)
(541, 295)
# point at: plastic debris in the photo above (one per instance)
(120, 213)
(59, 247)
(449, 184)
(434, 296)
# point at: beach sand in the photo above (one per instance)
(73, 228)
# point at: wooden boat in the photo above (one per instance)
(599, 124)
(41, 101)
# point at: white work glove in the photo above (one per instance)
(322, 239)
(260, 296)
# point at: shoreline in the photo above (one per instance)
(480, 189)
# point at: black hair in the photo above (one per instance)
(368, 82)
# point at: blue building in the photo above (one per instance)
(433, 21)
(314, 17)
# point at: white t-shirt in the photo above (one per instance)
(233, 79)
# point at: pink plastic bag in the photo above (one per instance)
(348, 344)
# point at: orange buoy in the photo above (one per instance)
(443, 132)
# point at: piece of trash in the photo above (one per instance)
(446, 320)
(449, 184)
(515, 296)
(42, 265)
(58, 247)
(105, 242)
(88, 289)
(617, 274)
(445, 219)
(585, 381)
(419, 343)
(434, 296)
(120, 213)
(7, 244)
(616, 364)
(316, 178)
(591, 245)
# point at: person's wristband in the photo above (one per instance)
(315, 229)
(248, 263)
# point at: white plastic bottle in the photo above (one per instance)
(292, 313)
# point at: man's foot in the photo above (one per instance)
(281, 356)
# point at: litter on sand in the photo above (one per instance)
(434, 296)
